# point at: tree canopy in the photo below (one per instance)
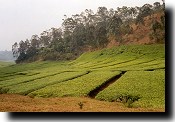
(84, 31)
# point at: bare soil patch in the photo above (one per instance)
(19, 103)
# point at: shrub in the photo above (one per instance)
(128, 99)
(81, 105)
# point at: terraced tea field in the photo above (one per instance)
(132, 74)
(4, 64)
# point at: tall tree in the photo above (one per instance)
(45, 38)
(22, 50)
(157, 6)
(15, 50)
(57, 40)
(114, 26)
(102, 14)
(35, 41)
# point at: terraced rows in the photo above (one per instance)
(25, 79)
(21, 70)
(144, 66)
(5, 64)
(80, 86)
(38, 83)
(148, 85)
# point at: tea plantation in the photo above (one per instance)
(132, 74)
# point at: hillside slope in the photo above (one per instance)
(128, 71)
(121, 53)
(141, 32)
(5, 64)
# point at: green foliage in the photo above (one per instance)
(156, 25)
(131, 57)
(37, 69)
(4, 64)
(114, 26)
(148, 85)
(86, 31)
(80, 86)
(41, 82)
(142, 85)
(144, 11)
(128, 100)
(139, 20)
(158, 31)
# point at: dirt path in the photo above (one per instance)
(94, 92)
(19, 103)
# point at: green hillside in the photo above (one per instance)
(4, 64)
(126, 57)
(132, 72)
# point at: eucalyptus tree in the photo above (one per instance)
(45, 38)
(15, 50)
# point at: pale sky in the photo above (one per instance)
(20, 19)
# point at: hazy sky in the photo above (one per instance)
(20, 19)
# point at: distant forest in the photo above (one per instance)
(90, 31)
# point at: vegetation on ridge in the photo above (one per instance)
(90, 31)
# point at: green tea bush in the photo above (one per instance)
(40, 83)
(145, 84)
(80, 86)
